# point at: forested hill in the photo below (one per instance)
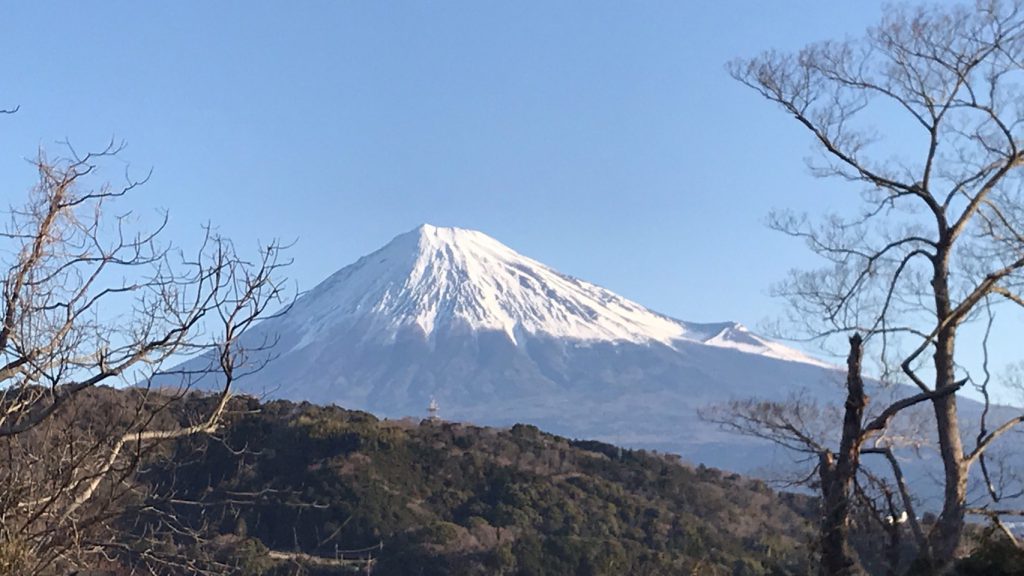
(290, 488)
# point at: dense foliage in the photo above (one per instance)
(299, 488)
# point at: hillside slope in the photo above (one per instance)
(292, 485)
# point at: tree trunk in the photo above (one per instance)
(837, 475)
(944, 538)
(945, 535)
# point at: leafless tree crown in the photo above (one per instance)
(85, 301)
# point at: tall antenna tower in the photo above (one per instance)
(432, 410)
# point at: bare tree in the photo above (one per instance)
(1002, 482)
(942, 226)
(87, 302)
(803, 426)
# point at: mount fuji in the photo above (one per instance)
(435, 282)
(497, 338)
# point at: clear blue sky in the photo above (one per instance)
(602, 138)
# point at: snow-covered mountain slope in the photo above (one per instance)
(440, 279)
(497, 337)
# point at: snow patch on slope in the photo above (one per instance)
(736, 336)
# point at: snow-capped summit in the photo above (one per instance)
(435, 279)
(447, 278)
